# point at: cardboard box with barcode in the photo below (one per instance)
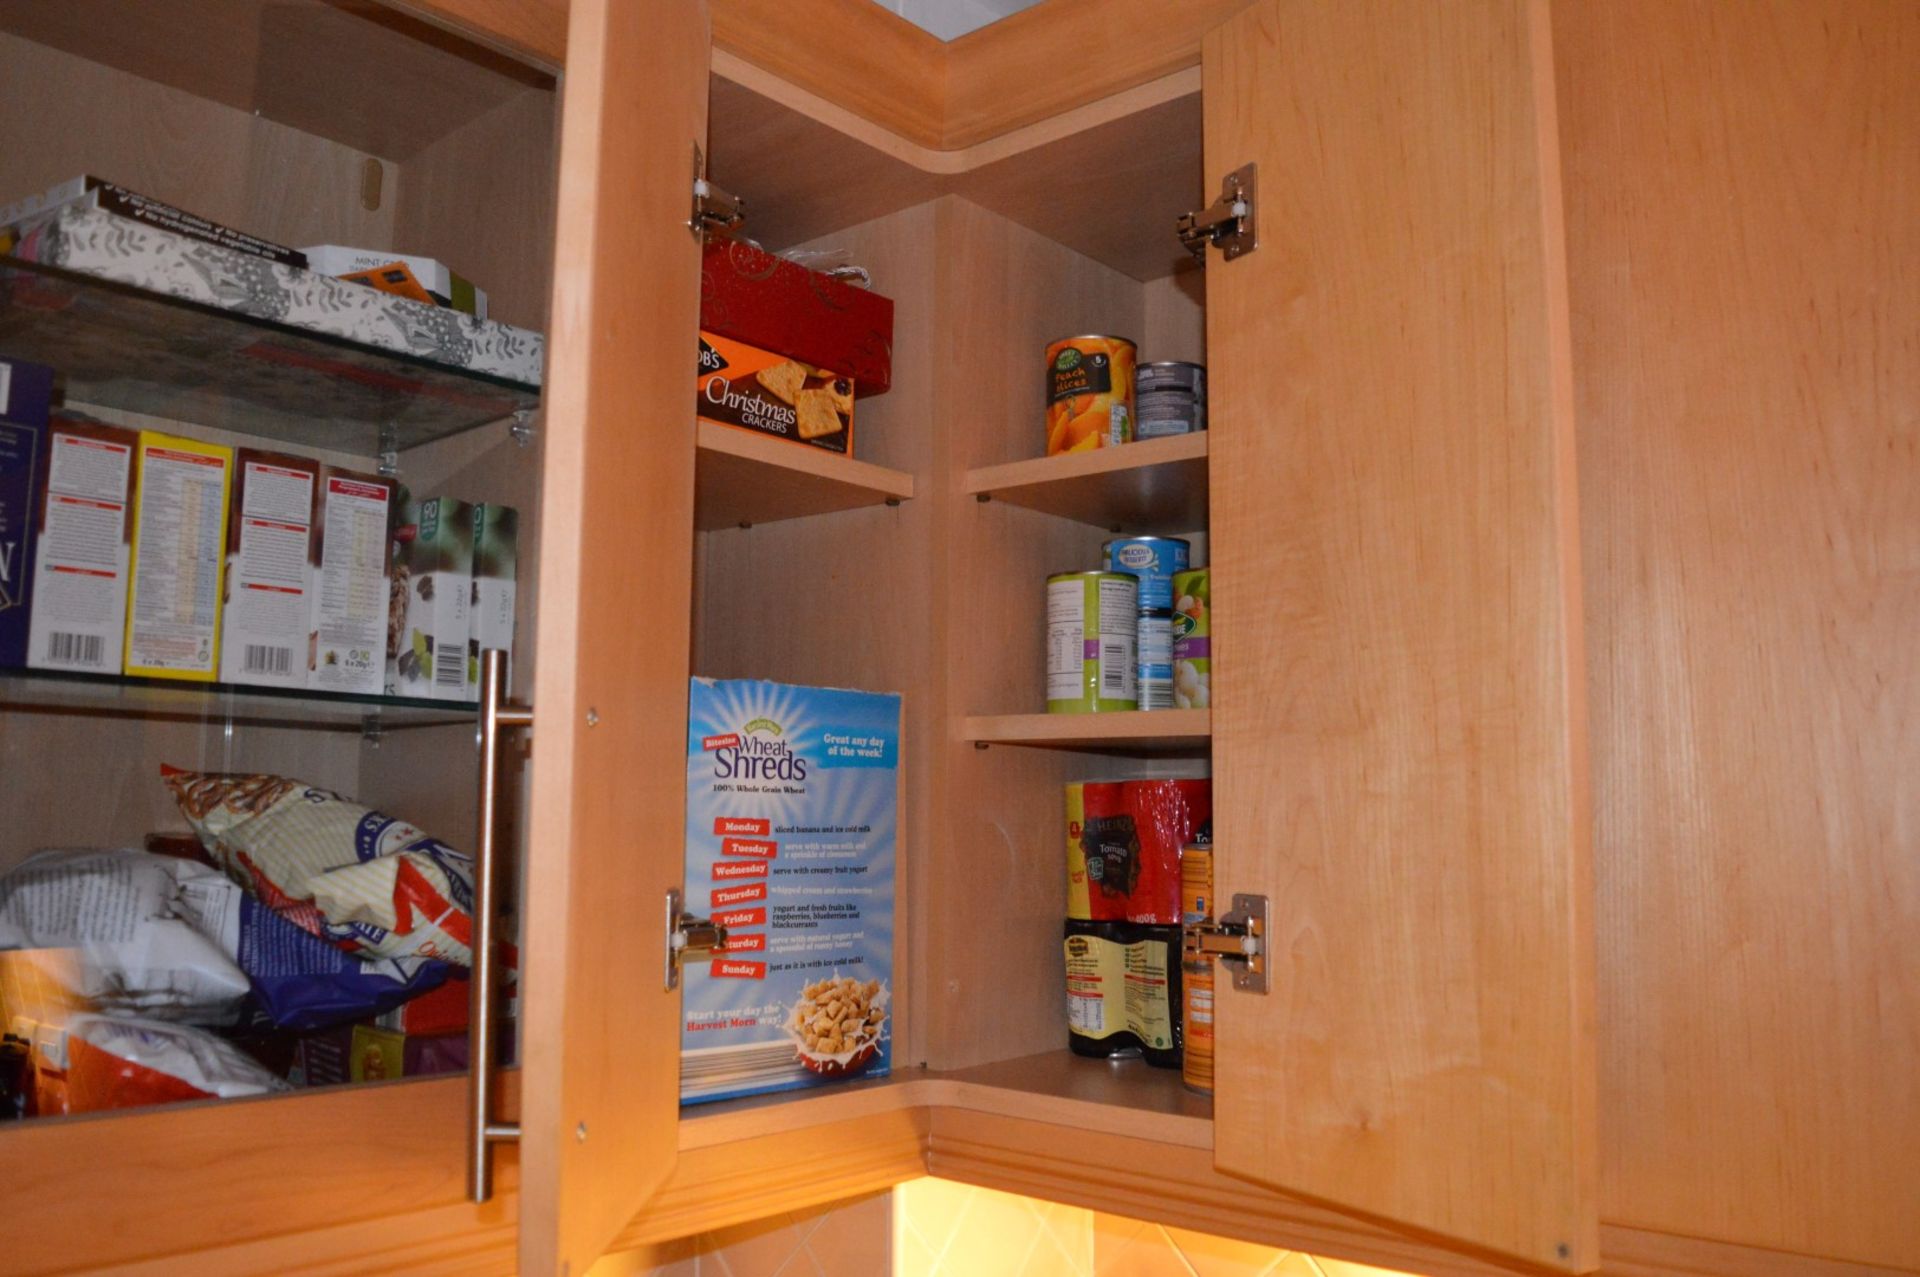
(432, 582)
(263, 626)
(26, 391)
(81, 555)
(180, 500)
(351, 597)
(754, 389)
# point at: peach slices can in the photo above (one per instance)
(1090, 388)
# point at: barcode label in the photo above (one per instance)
(259, 659)
(450, 665)
(75, 649)
(1114, 659)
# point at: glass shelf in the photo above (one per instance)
(119, 696)
(131, 349)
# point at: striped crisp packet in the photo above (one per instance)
(368, 883)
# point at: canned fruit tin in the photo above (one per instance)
(1192, 640)
(1090, 383)
(1092, 639)
(1153, 667)
(1154, 560)
(1170, 398)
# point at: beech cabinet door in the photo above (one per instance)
(1399, 731)
(601, 1042)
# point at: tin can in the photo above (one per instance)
(1196, 1021)
(1090, 386)
(1170, 399)
(1196, 883)
(1092, 638)
(1154, 560)
(1196, 1003)
(1153, 668)
(1192, 640)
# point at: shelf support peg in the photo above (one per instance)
(522, 428)
(389, 451)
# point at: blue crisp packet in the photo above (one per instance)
(301, 982)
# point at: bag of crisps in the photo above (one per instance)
(369, 883)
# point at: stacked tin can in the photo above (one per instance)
(1196, 969)
(1153, 561)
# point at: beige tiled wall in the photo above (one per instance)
(944, 1229)
(853, 1238)
(937, 1228)
(1130, 1248)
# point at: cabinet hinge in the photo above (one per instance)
(714, 210)
(1227, 223)
(689, 939)
(1239, 940)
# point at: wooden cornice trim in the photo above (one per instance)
(943, 107)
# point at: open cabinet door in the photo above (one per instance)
(600, 1031)
(1399, 732)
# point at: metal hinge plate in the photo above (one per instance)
(1238, 939)
(1228, 223)
(715, 211)
(689, 939)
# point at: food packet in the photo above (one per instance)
(372, 885)
(130, 933)
(114, 1063)
(123, 931)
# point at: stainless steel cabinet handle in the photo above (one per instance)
(482, 1131)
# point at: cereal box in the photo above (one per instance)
(432, 582)
(754, 389)
(79, 615)
(263, 625)
(180, 500)
(496, 554)
(792, 801)
(348, 628)
(25, 392)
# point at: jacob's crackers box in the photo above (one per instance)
(792, 816)
(26, 390)
(84, 505)
(181, 492)
(753, 389)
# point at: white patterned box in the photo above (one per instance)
(90, 242)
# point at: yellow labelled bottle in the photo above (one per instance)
(1123, 991)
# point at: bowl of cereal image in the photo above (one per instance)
(838, 1024)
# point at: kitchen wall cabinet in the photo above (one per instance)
(1587, 893)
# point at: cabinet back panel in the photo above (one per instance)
(1744, 252)
(66, 115)
(844, 600)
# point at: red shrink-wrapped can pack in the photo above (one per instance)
(1124, 841)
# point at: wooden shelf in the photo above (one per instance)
(1124, 1097)
(744, 478)
(1181, 732)
(1157, 486)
